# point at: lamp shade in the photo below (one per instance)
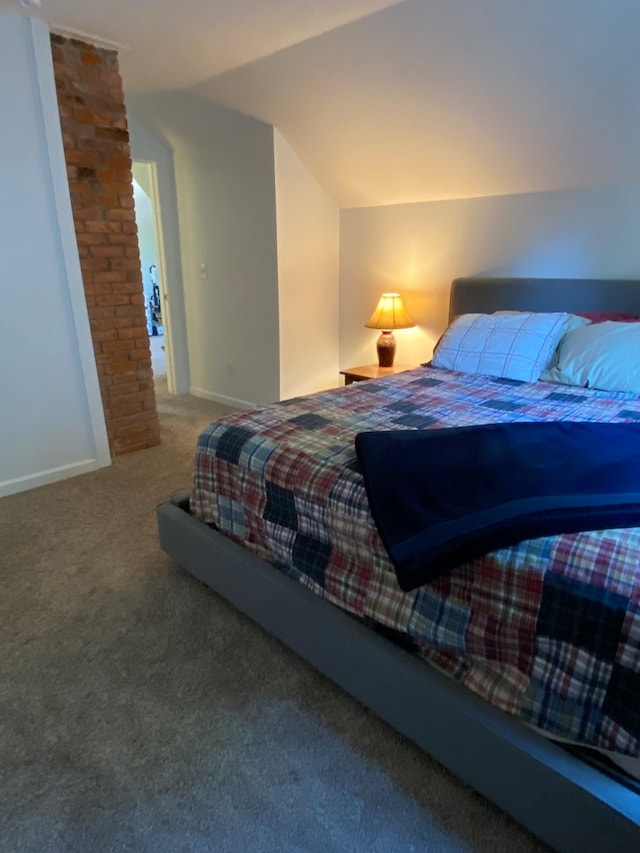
(389, 314)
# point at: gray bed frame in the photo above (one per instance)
(563, 800)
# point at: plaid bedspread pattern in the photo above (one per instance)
(548, 630)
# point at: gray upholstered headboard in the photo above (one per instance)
(484, 295)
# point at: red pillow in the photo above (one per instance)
(601, 316)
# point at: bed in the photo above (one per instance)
(473, 720)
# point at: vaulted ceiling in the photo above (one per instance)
(394, 102)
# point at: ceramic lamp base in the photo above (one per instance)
(386, 349)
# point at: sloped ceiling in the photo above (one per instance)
(168, 44)
(408, 101)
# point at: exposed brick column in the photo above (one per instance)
(96, 145)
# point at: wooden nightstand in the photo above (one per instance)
(372, 371)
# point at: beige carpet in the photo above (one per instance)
(140, 712)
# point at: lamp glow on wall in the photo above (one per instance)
(389, 314)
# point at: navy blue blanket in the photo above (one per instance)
(441, 497)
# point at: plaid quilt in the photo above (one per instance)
(548, 630)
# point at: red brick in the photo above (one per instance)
(131, 287)
(96, 289)
(118, 160)
(103, 226)
(88, 74)
(120, 368)
(112, 299)
(127, 311)
(125, 215)
(122, 322)
(135, 333)
(120, 388)
(96, 143)
(121, 410)
(90, 58)
(105, 335)
(108, 276)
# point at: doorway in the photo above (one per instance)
(154, 279)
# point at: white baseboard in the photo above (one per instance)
(220, 398)
(51, 475)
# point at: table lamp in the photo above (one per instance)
(389, 314)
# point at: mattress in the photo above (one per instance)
(547, 630)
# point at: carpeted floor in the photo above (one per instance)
(140, 712)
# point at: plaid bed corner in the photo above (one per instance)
(548, 630)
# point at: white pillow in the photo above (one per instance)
(513, 346)
(574, 321)
(602, 355)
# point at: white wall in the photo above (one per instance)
(308, 223)
(418, 249)
(225, 202)
(51, 418)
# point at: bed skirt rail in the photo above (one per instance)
(565, 802)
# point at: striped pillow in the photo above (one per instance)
(513, 346)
